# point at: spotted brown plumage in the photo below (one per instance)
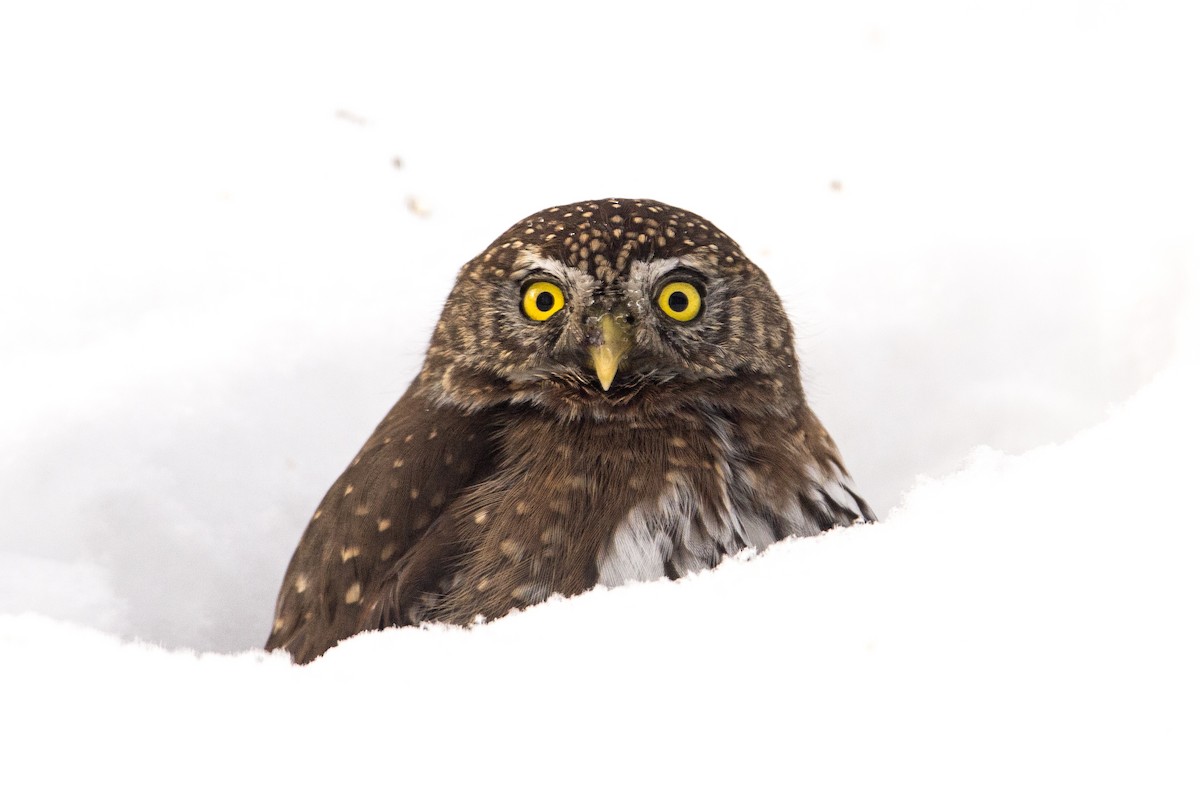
(611, 394)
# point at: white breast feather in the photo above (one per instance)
(675, 530)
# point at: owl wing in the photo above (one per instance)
(827, 494)
(379, 522)
(831, 499)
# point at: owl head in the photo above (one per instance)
(612, 307)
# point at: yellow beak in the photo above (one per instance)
(614, 344)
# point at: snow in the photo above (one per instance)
(227, 235)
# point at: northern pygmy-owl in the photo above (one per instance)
(611, 394)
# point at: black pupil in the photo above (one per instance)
(678, 301)
(544, 301)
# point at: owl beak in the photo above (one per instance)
(606, 356)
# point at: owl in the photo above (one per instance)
(611, 395)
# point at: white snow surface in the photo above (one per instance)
(226, 232)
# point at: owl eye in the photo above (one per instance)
(542, 300)
(680, 301)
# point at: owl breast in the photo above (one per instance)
(701, 516)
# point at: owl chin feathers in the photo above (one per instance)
(576, 395)
(610, 394)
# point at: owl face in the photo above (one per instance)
(607, 305)
(652, 325)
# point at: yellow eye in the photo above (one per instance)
(542, 300)
(680, 301)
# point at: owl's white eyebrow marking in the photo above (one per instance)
(652, 270)
(577, 283)
(530, 263)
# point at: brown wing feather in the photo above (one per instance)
(380, 514)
